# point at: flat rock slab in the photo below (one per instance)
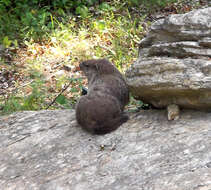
(46, 151)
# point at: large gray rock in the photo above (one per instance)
(174, 65)
(45, 151)
(162, 81)
(179, 33)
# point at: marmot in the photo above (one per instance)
(100, 111)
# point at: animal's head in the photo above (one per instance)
(97, 66)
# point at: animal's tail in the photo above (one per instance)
(111, 125)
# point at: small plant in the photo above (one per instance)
(11, 105)
(35, 100)
(150, 4)
(6, 42)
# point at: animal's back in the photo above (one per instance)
(101, 110)
(113, 85)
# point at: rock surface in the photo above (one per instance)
(174, 65)
(45, 151)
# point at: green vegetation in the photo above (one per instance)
(25, 20)
(47, 39)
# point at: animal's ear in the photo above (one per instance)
(105, 66)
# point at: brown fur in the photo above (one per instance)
(101, 110)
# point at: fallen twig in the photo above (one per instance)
(65, 88)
